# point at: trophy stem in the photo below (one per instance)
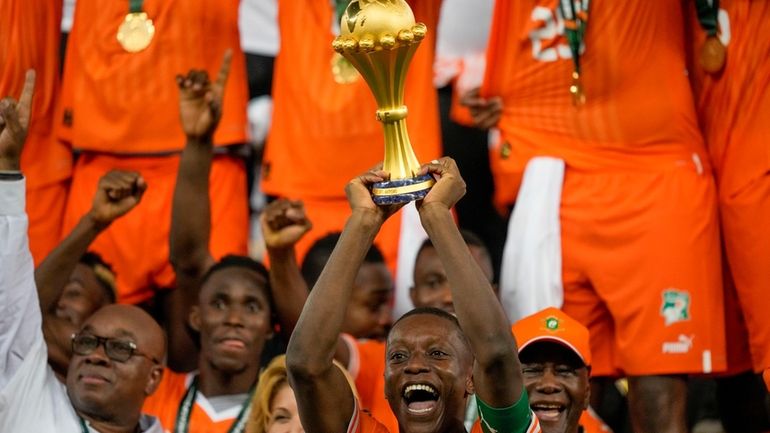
(400, 160)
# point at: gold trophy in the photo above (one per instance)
(379, 38)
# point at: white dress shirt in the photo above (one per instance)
(31, 398)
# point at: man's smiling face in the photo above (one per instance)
(428, 373)
(557, 384)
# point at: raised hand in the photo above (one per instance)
(200, 100)
(14, 123)
(358, 191)
(284, 222)
(485, 112)
(117, 193)
(449, 187)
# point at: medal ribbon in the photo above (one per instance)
(182, 424)
(83, 426)
(708, 10)
(575, 14)
(135, 6)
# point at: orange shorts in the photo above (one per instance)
(330, 215)
(745, 215)
(136, 245)
(45, 207)
(641, 269)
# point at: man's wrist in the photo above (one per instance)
(206, 140)
(95, 223)
(10, 175)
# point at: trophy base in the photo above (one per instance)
(401, 190)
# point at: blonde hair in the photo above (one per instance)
(270, 382)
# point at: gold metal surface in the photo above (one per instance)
(379, 38)
(403, 189)
(135, 32)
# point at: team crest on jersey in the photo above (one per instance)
(676, 306)
(552, 323)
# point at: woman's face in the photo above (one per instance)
(284, 417)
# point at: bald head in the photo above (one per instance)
(150, 338)
(101, 387)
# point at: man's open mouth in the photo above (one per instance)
(548, 411)
(420, 399)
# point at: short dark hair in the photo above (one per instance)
(245, 262)
(104, 273)
(470, 239)
(319, 254)
(433, 311)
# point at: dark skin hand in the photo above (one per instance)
(14, 124)
(284, 223)
(324, 398)
(200, 108)
(497, 374)
(117, 193)
(486, 112)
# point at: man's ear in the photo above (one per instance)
(194, 319)
(156, 375)
(587, 400)
(412, 295)
(469, 389)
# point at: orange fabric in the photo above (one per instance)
(45, 208)
(370, 382)
(632, 50)
(164, 404)
(552, 324)
(30, 39)
(136, 245)
(120, 102)
(362, 422)
(641, 269)
(323, 133)
(330, 216)
(592, 424)
(734, 106)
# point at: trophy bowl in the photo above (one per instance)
(379, 38)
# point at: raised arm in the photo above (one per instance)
(284, 223)
(497, 374)
(200, 108)
(324, 398)
(20, 324)
(117, 193)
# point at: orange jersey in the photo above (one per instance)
(29, 39)
(324, 133)
(363, 422)
(164, 404)
(367, 366)
(120, 102)
(733, 105)
(592, 424)
(638, 111)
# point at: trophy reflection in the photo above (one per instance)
(379, 38)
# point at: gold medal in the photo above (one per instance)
(135, 32)
(343, 71)
(576, 90)
(712, 55)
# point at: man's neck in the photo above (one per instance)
(111, 426)
(213, 382)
